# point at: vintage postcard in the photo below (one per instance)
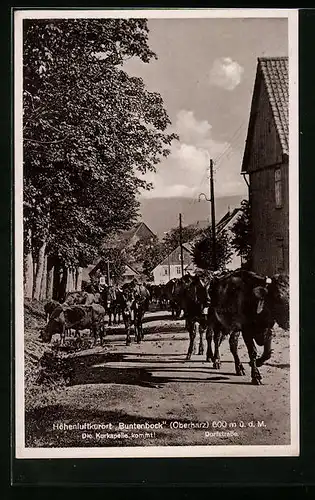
(156, 233)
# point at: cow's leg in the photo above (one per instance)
(192, 335)
(233, 340)
(217, 337)
(127, 321)
(100, 329)
(137, 322)
(119, 315)
(196, 328)
(141, 326)
(201, 339)
(267, 348)
(63, 335)
(252, 353)
(209, 338)
(94, 331)
(114, 315)
(103, 328)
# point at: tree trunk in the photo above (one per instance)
(28, 267)
(63, 285)
(50, 278)
(56, 280)
(70, 283)
(39, 270)
(78, 285)
(42, 295)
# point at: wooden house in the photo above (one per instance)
(266, 167)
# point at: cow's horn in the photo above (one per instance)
(268, 280)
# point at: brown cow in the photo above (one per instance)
(245, 302)
(75, 317)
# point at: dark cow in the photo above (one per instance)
(245, 302)
(161, 296)
(75, 317)
(49, 307)
(136, 300)
(195, 302)
(111, 299)
(173, 292)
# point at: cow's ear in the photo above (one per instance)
(260, 292)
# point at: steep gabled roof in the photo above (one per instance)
(132, 269)
(122, 239)
(274, 72)
(226, 219)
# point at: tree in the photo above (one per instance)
(241, 229)
(149, 254)
(203, 257)
(172, 238)
(117, 263)
(90, 131)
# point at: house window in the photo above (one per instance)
(178, 270)
(278, 188)
(165, 271)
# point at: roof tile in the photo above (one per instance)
(276, 77)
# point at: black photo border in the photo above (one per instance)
(184, 472)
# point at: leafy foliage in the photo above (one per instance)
(117, 263)
(241, 240)
(149, 254)
(90, 131)
(172, 238)
(203, 256)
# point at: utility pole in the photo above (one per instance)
(212, 204)
(212, 216)
(181, 244)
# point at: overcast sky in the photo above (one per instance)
(205, 73)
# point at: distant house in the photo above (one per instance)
(226, 224)
(170, 267)
(122, 241)
(129, 274)
(266, 166)
(127, 239)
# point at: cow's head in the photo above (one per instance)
(279, 300)
(45, 334)
(273, 297)
(53, 325)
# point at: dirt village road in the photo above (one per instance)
(114, 388)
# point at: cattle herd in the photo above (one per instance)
(226, 305)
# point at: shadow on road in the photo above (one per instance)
(92, 369)
(120, 329)
(165, 317)
(280, 365)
